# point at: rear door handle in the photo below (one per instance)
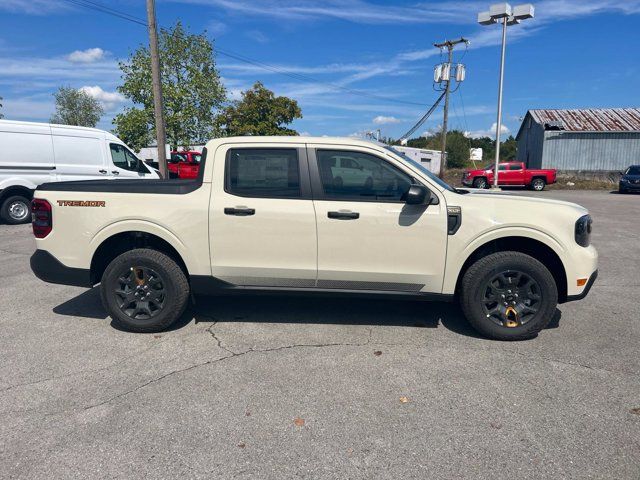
(240, 212)
(103, 171)
(115, 172)
(344, 215)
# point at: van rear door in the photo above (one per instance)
(78, 154)
(26, 156)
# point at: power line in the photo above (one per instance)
(236, 56)
(109, 11)
(424, 117)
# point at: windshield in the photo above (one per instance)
(489, 167)
(422, 168)
(635, 170)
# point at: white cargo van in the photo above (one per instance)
(35, 153)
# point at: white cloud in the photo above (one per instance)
(491, 132)
(362, 11)
(257, 36)
(217, 28)
(33, 7)
(89, 55)
(382, 120)
(110, 100)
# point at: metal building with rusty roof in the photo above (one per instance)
(594, 139)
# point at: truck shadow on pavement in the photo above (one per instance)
(299, 309)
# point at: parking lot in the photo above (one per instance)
(283, 387)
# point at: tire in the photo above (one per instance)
(15, 210)
(477, 287)
(136, 275)
(480, 182)
(622, 191)
(538, 184)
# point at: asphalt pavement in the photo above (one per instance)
(292, 387)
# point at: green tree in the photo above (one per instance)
(259, 112)
(457, 149)
(508, 149)
(76, 107)
(191, 88)
(457, 146)
(133, 128)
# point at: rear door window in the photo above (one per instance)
(266, 173)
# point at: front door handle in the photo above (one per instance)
(115, 172)
(103, 171)
(240, 212)
(344, 215)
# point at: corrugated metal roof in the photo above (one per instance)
(591, 120)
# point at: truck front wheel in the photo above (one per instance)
(480, 182)
(144, 290)
(508, 296)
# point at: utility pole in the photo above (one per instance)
(447, 70)
(161, 137)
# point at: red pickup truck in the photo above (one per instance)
(184, 164)
(510, 174)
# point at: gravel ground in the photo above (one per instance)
(279, 387)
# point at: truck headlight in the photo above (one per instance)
(583, 230)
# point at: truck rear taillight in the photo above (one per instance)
(41, 217)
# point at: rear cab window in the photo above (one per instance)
(263, 172)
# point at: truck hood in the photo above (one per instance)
(502, 199)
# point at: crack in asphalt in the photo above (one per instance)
(232, 354)
(572, 364)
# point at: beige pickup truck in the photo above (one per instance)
(275, 213)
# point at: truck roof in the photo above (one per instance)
(295, 139)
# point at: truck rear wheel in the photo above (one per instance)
(15, 210)
(144, 290)
(538, 184)
(508, 296)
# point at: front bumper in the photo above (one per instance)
(629, 186)
(585, 292)
(49, 269)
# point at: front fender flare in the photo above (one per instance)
(455, 264)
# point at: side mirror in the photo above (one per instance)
(417, 195)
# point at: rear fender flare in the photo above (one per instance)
(191, 262)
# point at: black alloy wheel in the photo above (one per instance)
(511, 298)
(140, 293)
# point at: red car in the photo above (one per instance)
(510, 174)
(184, 164)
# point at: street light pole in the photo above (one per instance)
(504, 14)
(500, 88)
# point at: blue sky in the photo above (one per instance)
(564, 58)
